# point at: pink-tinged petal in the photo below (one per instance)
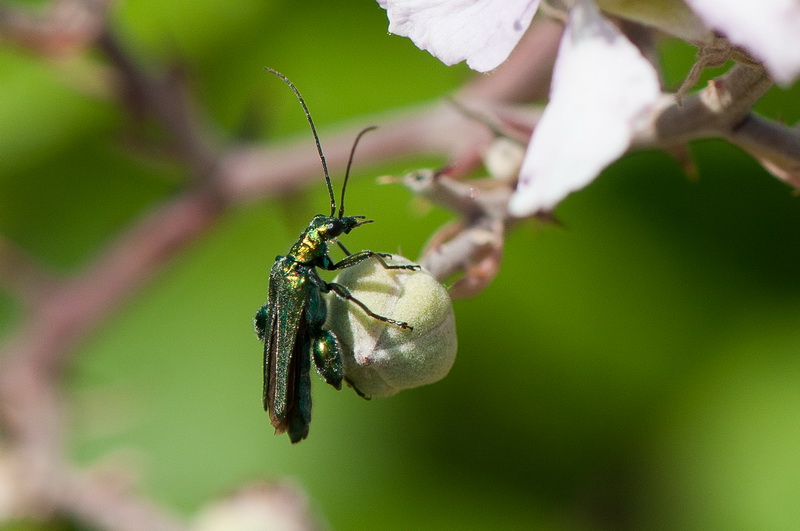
(482, 32)
(602, 90)
(768, 29)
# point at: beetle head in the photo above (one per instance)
(329, 227)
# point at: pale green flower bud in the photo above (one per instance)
(380, 358)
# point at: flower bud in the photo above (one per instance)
(258, 507)
(380, 358)
(503, 158)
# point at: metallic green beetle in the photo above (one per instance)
(290, 323)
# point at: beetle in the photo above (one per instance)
(291, 322)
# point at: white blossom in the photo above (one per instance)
(482, 32)
(602, 89)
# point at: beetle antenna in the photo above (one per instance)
(314, 131)
(350, 163)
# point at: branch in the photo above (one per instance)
(776, 146)
(253, 172)
(713, 111)
(22, 274)
(723, 110)
(66, 27)
(472, 246)
(168, 100)
(34, 357)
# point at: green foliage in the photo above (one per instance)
(636, 367)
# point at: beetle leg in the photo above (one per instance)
(323, 344)
(360, 256)
(358, 391)
(260, 322)
(343, 248)
(328, 357)
(344, 293)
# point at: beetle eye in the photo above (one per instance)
(334, 228)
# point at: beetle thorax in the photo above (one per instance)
(312, 243)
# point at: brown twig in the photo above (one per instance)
(724, 110)
(22, 274)
(65, 27)
(169, 101)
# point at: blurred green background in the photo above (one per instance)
(637, 367)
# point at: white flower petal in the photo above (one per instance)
(482, 32)
(768, 29)
(601, 91)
